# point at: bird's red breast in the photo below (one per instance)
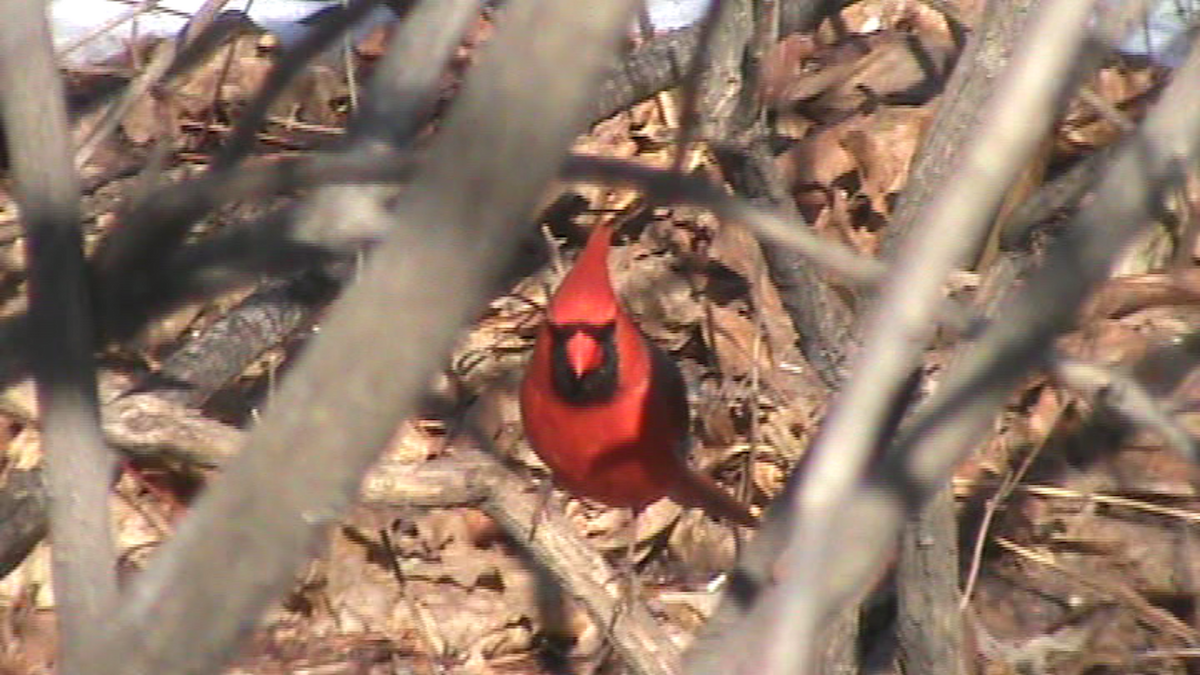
(603, 407)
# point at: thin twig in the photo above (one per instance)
(241, 142)
(1055, 492)
(1002, 493)
(1168, 623)
(164, 57)
(219, 84)
(347, 49)
(165, 215)
(693, 78)
(105, 27)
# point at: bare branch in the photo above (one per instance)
(301, 469)
(79, 465)
(898, 328)
(241, 141)
(1106, 387)
(144, 424)
(948, 426)
(660, 64)
(929, 628)
(471, 476)
(404, 88)
(403, 94)
(137, 284)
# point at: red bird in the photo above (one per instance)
(605, 408)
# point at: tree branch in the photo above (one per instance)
(949, 425)
(78, 464)
(896, 334)
(301, 469)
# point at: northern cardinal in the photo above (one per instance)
(605, 408)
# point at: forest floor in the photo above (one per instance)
(1079, 540)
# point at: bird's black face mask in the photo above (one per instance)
(584, 362)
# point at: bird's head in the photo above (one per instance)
(582, 324)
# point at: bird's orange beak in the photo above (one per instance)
(584, 354)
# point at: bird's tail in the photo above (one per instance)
(699, 491)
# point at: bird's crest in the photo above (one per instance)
(586, 294)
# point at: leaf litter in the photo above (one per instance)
(1086, 565)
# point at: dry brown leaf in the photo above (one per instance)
(734, 338)
(412, 443)
(786, 63)
(609, 528)
(883, 146)
(1126, 90)
(374, 44)
(661, 300)
(703, 546)
(1106, 341)
(819, 159)
(768, 477)
(28, 639)
(24, 451)
(840, 219)
(874, 15)
(1043, 415)
(718, 426)
(441, 529)
(467, 621)
(1125, 295)
(857, 73)
(689, 609)
(739, 251)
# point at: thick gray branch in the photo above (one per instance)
(897, 332)
(500, 145)
(79, 467)
(949, 425)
